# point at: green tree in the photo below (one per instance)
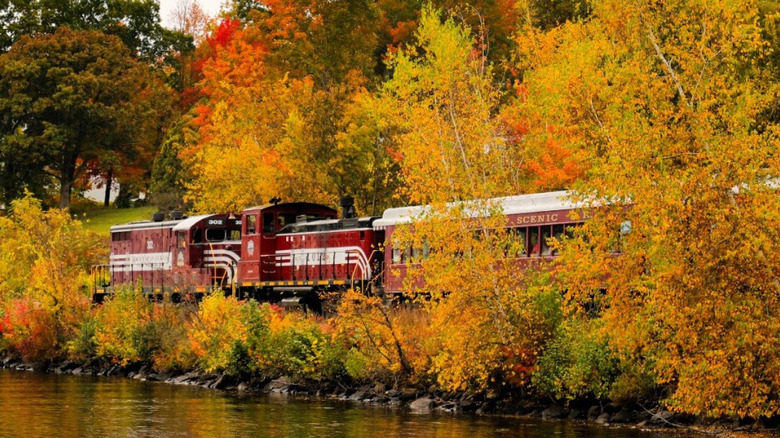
(135, 22)
(65, 99)
(167, 182)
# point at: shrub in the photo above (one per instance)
(301, 347)
(220, 326)
(379, 342)
(576, 363)
(122, 332)
(44, 262)
(84, 346)
(171, 345)
(29, 329)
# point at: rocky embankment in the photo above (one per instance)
(414, 399)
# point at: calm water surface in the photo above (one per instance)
(42, 405)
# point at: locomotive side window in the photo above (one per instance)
(235, 234)
(284, 219)
(215, 234)
(181, 239)
(268, 223)
(197, 236)
(251, 221)
(121, 236)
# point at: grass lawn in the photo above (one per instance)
(100, 220)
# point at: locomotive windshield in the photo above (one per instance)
(215, 234)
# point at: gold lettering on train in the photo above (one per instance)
(538, 219)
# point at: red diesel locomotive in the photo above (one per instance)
(290, 252)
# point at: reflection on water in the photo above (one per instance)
(40, 405)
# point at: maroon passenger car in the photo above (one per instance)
(533, 218)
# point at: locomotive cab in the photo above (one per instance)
(259, 231)
(207, 252)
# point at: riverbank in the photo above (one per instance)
(418, 400)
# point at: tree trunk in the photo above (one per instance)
(67, 174)
(65, 187)
(109, 179)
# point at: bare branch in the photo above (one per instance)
(668, 66)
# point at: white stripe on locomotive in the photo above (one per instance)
(352, 255)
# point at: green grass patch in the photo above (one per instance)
(101, 220)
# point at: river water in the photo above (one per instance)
(44, 405)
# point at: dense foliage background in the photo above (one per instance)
(661, 113)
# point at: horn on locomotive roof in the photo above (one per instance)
(347, 207)
(275, 200)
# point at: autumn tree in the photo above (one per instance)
(455, 153)
(667, 101)
(66, 99)
(190, 19)
(451, 143)
(323, 40)
(44, 269)
(231, 155)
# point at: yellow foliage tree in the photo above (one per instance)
(455, 146)
(670, 101)
(451, 143)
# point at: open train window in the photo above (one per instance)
(533, 242)
(515, 242)
(558, 233)
(215, 234)
(396, 251)
(571, 228)
(546, 234)
(416, 254)
(181, 239)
